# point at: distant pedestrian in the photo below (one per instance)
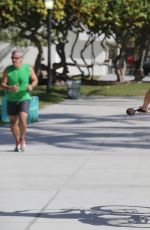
(120, 68)
(19, 80)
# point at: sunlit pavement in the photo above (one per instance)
(87, 166)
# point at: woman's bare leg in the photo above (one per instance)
(146, 101)
(15, 128)
(23, 127)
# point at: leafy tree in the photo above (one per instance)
(24, 24)
(30, 26)
(142, 43)
(6, 18)
(93, 20)
(127, 20)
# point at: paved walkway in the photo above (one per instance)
(87, 167)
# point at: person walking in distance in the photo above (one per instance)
(19, 80)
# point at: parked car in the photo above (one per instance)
(146, 68)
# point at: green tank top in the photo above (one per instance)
(18, 76)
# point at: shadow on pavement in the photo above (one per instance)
(113, 215)
(85, 132)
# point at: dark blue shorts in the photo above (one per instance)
(15, 107)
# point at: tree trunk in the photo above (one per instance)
(37, 64)
(61, 52)
(138, 73)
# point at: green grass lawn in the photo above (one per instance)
(59, 93)
(126, 89)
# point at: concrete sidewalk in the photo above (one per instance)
(87, 167)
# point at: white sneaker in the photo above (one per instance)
(17, 148)
(23, 147)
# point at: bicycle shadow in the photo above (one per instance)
(112, 215)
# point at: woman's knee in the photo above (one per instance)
(13, 120)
